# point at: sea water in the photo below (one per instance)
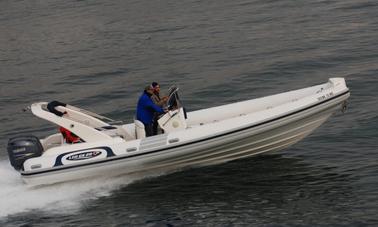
(99, 55)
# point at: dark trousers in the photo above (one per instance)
(149, 129)
(155, 125)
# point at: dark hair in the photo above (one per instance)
(154, 84)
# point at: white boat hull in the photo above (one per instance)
(265, 136)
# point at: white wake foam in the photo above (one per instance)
(16, 197)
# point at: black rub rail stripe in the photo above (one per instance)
(186, 144)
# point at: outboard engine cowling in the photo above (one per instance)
(22, 148)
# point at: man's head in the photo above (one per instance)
(156, 87)
(149, 89)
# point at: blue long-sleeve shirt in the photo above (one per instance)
(146, 109)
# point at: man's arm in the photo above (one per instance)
(155, 107)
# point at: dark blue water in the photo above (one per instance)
(100, 54)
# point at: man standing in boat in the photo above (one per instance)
(146, 109)
(159, 101)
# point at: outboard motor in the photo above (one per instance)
(22, 148)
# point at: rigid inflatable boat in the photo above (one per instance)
(203, 137)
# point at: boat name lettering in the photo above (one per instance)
(84, 155)
(21, 149)
(326, 96)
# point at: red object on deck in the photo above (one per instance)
(69, 136)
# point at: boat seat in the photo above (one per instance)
(127, 131)
(139, 130)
